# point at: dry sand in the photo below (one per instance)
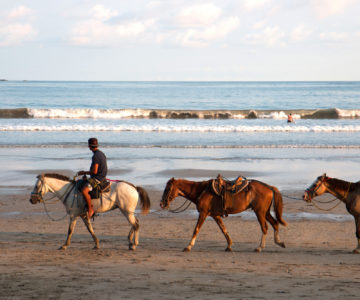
(317, 263)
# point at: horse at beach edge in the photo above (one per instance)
(122, 195)
(345, 191)
(258, 196)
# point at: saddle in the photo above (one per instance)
(227, 189)
(98, 189)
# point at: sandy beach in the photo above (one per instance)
(316, 263)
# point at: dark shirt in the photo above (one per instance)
(99, 158)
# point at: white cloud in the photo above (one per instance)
(199, 15)
(270, 37)
(13, 30)
(201, 38)
(327, 8)
(96, 31)
(15, 34)
(300, 32)
(202, 24)
(334, 37)
(250, 5)
(19, 12)
(259, 24)
(102, 13)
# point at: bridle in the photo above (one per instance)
(311, 192)
(38, 195)
(165, 200)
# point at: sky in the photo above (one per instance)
(178, 40)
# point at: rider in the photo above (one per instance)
(98, 172)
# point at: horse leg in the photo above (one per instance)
(70, 232)
(264, 228)
(357, 225)
(221, 225)
(200, 221)
(275, 225)
(89, 227)
(133, 237)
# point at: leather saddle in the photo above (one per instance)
(220, 186)
(98, 188)
(101, 188)
(227, 189)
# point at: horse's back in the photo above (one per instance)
(262, 187)
(126, 194)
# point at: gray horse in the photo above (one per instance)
(122, 195)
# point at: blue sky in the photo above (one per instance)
(180, 40)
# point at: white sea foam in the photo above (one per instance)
(53, 113)
(89, 113)
(148, 127)
(349, 113)
(278, 115)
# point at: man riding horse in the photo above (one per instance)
(97, 172)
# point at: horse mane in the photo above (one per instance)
(57, 176)
(342, 184)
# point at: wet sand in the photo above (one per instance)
(316, 263)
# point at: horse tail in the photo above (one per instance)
(145, 200)
(278, 205)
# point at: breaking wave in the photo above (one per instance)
(53, 113)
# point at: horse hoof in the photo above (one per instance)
(228, 249)
(132, 247)
(258, 250)
(186, 249)
(282, 245)
(62, 248)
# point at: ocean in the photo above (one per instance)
(151, 130)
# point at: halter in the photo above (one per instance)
(179, 209)
(166, 201)
(312, 192)
(39, 195)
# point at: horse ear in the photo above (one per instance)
(324, 175)
(172, 179)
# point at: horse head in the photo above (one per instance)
(316, 188)
(170, 193)
(37, 193)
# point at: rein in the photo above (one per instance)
(179, 210)
(323, 209)
(340, 198)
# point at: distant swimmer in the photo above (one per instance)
(290, 118)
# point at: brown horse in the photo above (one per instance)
(347, 192)
(258, 196)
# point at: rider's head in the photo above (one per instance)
(93, 143)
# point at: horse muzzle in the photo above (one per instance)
(35, 198)
(164, 204)
(307, 197)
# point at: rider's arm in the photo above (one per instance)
(93, 171)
